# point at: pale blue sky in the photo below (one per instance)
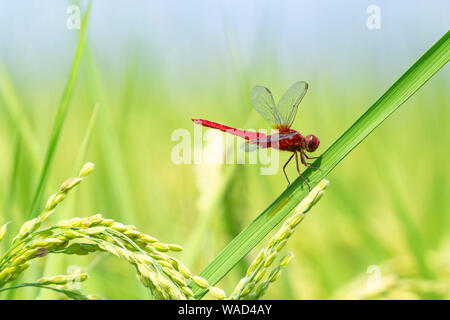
(184, 36)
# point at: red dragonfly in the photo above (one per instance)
(281, 117)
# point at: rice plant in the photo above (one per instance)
(166, 277)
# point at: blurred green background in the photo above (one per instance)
(150, 66)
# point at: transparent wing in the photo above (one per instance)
(252, 145)
(247, 147)
(288, 104)
(272, 138)
(263, 102)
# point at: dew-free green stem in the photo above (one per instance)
(37, 285)
(17, 114)
(60, 116)
(10, 195)
(433, 60)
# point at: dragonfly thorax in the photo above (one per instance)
(297, 142)
(294, 143)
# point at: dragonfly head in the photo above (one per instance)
(312, 143)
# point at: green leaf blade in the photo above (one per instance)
(60, 117)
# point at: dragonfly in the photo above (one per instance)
(280, 116)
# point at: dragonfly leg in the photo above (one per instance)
(306, 164)
(308, 157)
(298, 170)
(284, 168)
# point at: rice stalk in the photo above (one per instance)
(401, 278)
(18, 115)
(60, 284)
(253, 285)
(164, 275)
(60, 115)
(11, 194)
(55, 263)
(115, 166)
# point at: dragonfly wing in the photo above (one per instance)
(288, 104)
(263, 102)
(247, 147)
(272, 138)
(277, 137)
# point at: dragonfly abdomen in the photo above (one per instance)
(248, 135)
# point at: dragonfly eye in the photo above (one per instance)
(312, 143)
